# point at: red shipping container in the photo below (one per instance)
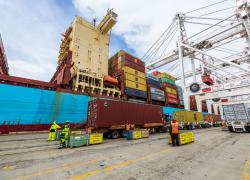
(105, 113)
(172, 101)
(156, 73)
(133, 59)
(212, 118)
(171, 95)
(164, 84)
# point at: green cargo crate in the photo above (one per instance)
(78, 140)
(58, 134)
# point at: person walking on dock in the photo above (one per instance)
(174, 132)
(64, 135)
(53, 131)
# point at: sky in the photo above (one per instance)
(31, 29)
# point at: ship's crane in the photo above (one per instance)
(107, 22)
(202, 49)
(4, 68)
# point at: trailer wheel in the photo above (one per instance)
(248, 129)
(230, 128)
(114, 134)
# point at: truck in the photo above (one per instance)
(237, 117)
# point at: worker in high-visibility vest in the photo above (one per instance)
(174, 132)
(64, 135)
(53, 131)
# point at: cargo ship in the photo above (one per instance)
(31, 105)
(83, 77)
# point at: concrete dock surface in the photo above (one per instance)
(214, 155)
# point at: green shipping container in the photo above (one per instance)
(78, 140)
(169, 81)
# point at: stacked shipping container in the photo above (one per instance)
(169, 87)
(180, 95)
(155, 93)
(130, 72)
(193, 105)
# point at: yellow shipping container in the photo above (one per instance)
(135, 78)
(96, 138)
(119, 65)
(134, 85)
(199, 116)
(129, 70)
(170, 90)
(188, 116)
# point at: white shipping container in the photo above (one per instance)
(156, 91)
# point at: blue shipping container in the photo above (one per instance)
(170, 110)
(153, 82)
(158, 97)
(22, 105)
(136, 93)
(157, 91)
(152, 77)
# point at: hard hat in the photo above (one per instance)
(174, 121)
(54, 122)
(67, 122)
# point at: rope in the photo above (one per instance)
(205, 7)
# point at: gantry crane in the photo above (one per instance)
(233, 27)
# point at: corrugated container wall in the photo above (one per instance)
(105, 113)
(188, 116)
(130, 71)
(22, 105)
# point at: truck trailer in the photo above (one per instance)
(114, 117)
(237, 117)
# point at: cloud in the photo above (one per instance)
(31, 29)
(31, 36)
(140, 22)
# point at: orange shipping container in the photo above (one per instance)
(171, 95)
(172, 101)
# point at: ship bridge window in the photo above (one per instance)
(81, 78)
(97, 82)
(86, 79)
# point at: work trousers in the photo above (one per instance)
(52, 136)
(175, 139)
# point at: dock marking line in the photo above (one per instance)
(246, 170)
(8, 168)
(116, 166)
(58, 168)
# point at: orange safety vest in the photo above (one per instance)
(175, 128)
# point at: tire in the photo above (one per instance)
(247, 129)
(230, 128)
(115, 134)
